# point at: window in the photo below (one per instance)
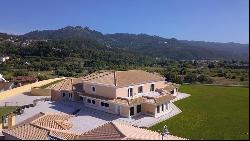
(89, 101)
(140, 89)
(63, 94)
(102, 104)
(152, 87)
(162, 107)
(106, 105)
(130, 92)
(132, 111)
(138, 108)
(93, 101)
(158, 109)
(70, 95)
(93, 89)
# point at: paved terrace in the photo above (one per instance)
(20, 99)
(88, 118)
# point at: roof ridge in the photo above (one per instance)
(112, 122)
(62, 123)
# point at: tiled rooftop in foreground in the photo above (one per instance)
(45, 126)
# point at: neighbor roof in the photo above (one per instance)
(25, 79)
(5, 85)
(122, 78)
(41, 126)
(123, 131)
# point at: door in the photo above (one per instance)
(132, 111)
(138, 108)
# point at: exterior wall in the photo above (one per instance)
(58, 95)
(55, 95)
(11, 120)
(101, 90)
(124, 111)
(165, 109)
(148, 109)
(123, 92)
(111, 109)
(40, 92)
(175, 92)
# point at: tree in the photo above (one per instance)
(190, 78)
(204, 79)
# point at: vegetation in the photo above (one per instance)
(153, 46)
(76, 51)
(5, 110)
(211, 112)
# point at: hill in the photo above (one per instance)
(154, 46)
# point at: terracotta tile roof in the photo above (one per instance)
(169, 87)
(64, 135)
(144, 99)
(130, 102)
(135, 133)
(53, 121)
(25, 79)
(107, 131)
(123, 78)
(123, 131)
(28, 120)
(40, 126)
(164, 98)
(28, 132)
(68, 84)
(110, 131)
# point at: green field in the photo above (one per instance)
(211, 112)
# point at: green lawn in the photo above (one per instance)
(211, 112)
(5, 110)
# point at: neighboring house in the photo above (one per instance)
(23, 80)
(4, 58)
(124, 93)
(4, 86)
(52, 126)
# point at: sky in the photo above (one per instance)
(199, 20)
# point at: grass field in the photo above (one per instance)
(211, 112)
(5, 110)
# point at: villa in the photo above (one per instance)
(123, 93)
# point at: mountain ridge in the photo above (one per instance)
(151, 45)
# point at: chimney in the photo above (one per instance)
(11, 120)
(115, 77)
